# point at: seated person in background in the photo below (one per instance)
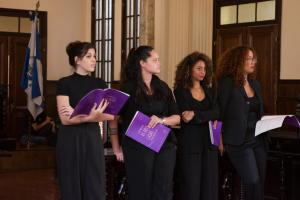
(43, 125)
(43, 131)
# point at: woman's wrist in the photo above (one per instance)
(163, 121)
(113, 131)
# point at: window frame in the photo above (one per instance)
(135, 35)
(220, 3)
(104, 72)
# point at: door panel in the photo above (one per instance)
(263, 40)
(3, 85)
(17, 97)
(228, 38)
(3, 59)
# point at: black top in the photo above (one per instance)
(76, 86)
(252, 117)
(149, 105)
(194, 135)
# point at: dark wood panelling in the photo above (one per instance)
(115, 84)
(229, 38)
(264, 40)
(288, 90)
(50, 98)
(282, 178)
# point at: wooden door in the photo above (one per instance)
(264, 40)
(227, 39)
(13, 98)
(3, 85)
(14, 113)
(18, 115)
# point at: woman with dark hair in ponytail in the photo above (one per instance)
(80, 156)
(149, 174)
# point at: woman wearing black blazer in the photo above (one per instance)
(198, 159)
(241, 106)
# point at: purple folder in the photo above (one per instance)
(292, 121)
(152, 138)
(116, 100)
(215, 133)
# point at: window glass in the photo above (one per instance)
(25, 25)
(246, 13)
(9, 24)
(266, 10)
(228, 15)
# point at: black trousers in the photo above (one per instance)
(80, 163)
(249, 160)
(150, 174)
(198, 173)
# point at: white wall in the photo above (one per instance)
(68, 20)
(290, 40)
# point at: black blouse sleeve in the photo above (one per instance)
(172, 106)
(182, 99)
(62, 87)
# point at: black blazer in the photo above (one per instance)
(234, 109)
(191, 133)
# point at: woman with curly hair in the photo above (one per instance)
(149, 174)
(198, 158)
(241, 106)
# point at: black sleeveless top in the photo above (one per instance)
(253, 114)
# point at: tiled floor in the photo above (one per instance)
(29, 185)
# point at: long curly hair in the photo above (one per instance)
(183, 76)
(132, 72)
(231, 64)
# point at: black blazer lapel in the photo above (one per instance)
(242, 90)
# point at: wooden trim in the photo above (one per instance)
(218, 4)
(50, 98)
(43, 16)
(289, 81)
(115, 84)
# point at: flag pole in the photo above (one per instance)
(37, 5)
(30, 121)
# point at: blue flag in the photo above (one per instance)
(32, 76)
